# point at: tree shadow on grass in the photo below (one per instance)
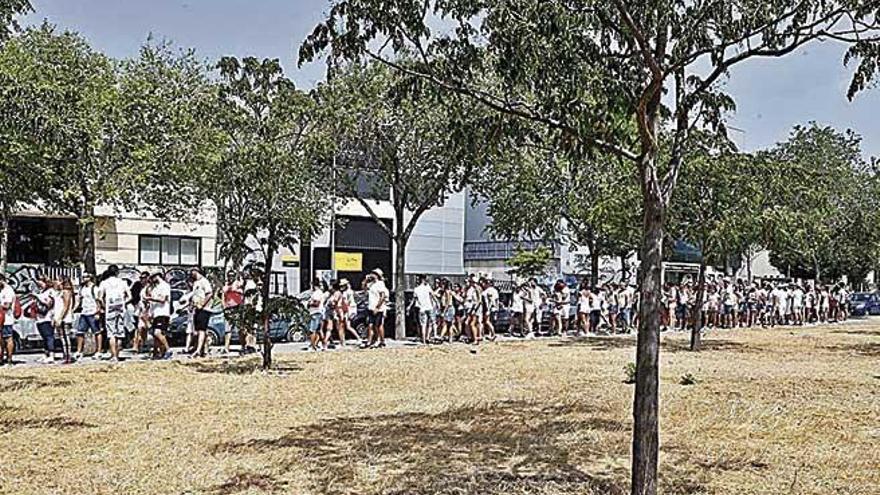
(706, 345)
(56, 424)
(859, 333)
(505, 448)
(597, 343)
(237, 367)
(866, 350)
(20, 383)
(245, 481)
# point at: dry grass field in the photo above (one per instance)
(788, 411)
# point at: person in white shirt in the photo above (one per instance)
(159, 301)
(62, 315)
(517, 309)
(113, 295)
(349, 310)
(202, 294)
(530, 306)
(44, 301)
(473, 307)
(7, 305)
(87, 298)
(377, 307)
(490, 307)
(797, 305)
(423, 299)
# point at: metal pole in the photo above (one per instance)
(333, 224)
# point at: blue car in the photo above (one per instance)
(864, 304)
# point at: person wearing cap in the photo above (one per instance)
(88, 317)
(159, 301)
(113, 294)
(233, 297)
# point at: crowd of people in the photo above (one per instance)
(107, 307)
(729, 304)
(442, 311)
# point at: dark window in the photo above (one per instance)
(44, 241)
(362, 233)
(169, 250)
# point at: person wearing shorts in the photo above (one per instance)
(113, 295)
(88, 317)
(202, 293)
(7, 334)
(159, 301)
(316, 312)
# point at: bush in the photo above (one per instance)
(630, 371)
(687, 379)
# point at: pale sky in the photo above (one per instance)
(772, 95)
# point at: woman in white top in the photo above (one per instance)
(44, 301)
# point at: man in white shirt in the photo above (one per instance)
(88, 317)
(423, 298)
(113, 294)
(538, 297)
(159, 301)
(377, 306)
(7, 305)
(202, 293)
(316, 312)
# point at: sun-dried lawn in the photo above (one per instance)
(784, 411)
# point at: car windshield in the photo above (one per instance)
(860, 297)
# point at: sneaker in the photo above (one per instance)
(168, 355)
(114, 360)
(78, 356)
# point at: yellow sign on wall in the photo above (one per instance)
(349, 262)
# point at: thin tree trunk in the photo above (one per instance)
(87, 239)
(400, 289)
(696, 331)
(645, 403)
(267, 279)
(594, 264)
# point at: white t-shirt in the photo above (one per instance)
(88, 297)
(7, 298)
(537, 294)
(48, 298)
(348, 296)
(316, 302)
(491, 296)
(424, 297)
(114, 293)
(375, 293)
(517, 303)
(161, 291)
(201, 293)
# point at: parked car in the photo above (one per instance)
(864, 304)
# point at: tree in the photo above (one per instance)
(529, 264)
(9, 9)
(717, 207)
(85, 131)
(399, 135)
(267, 180)
(584, 202)
(606, 59)
(824, 219)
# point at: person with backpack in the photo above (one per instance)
(113, 294)
(88, 317)
(8, 306)
(42, 312)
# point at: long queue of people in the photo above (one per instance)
(730, 304)
(101, 307)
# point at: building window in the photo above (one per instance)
(170, 250)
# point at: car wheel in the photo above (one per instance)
(212, 338)
(361, 330)
(295, 334)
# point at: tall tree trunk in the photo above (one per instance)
(87, 239)
(267, 279)
(594, 264)
(696, 331)
(400, 288)
(645, 407)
